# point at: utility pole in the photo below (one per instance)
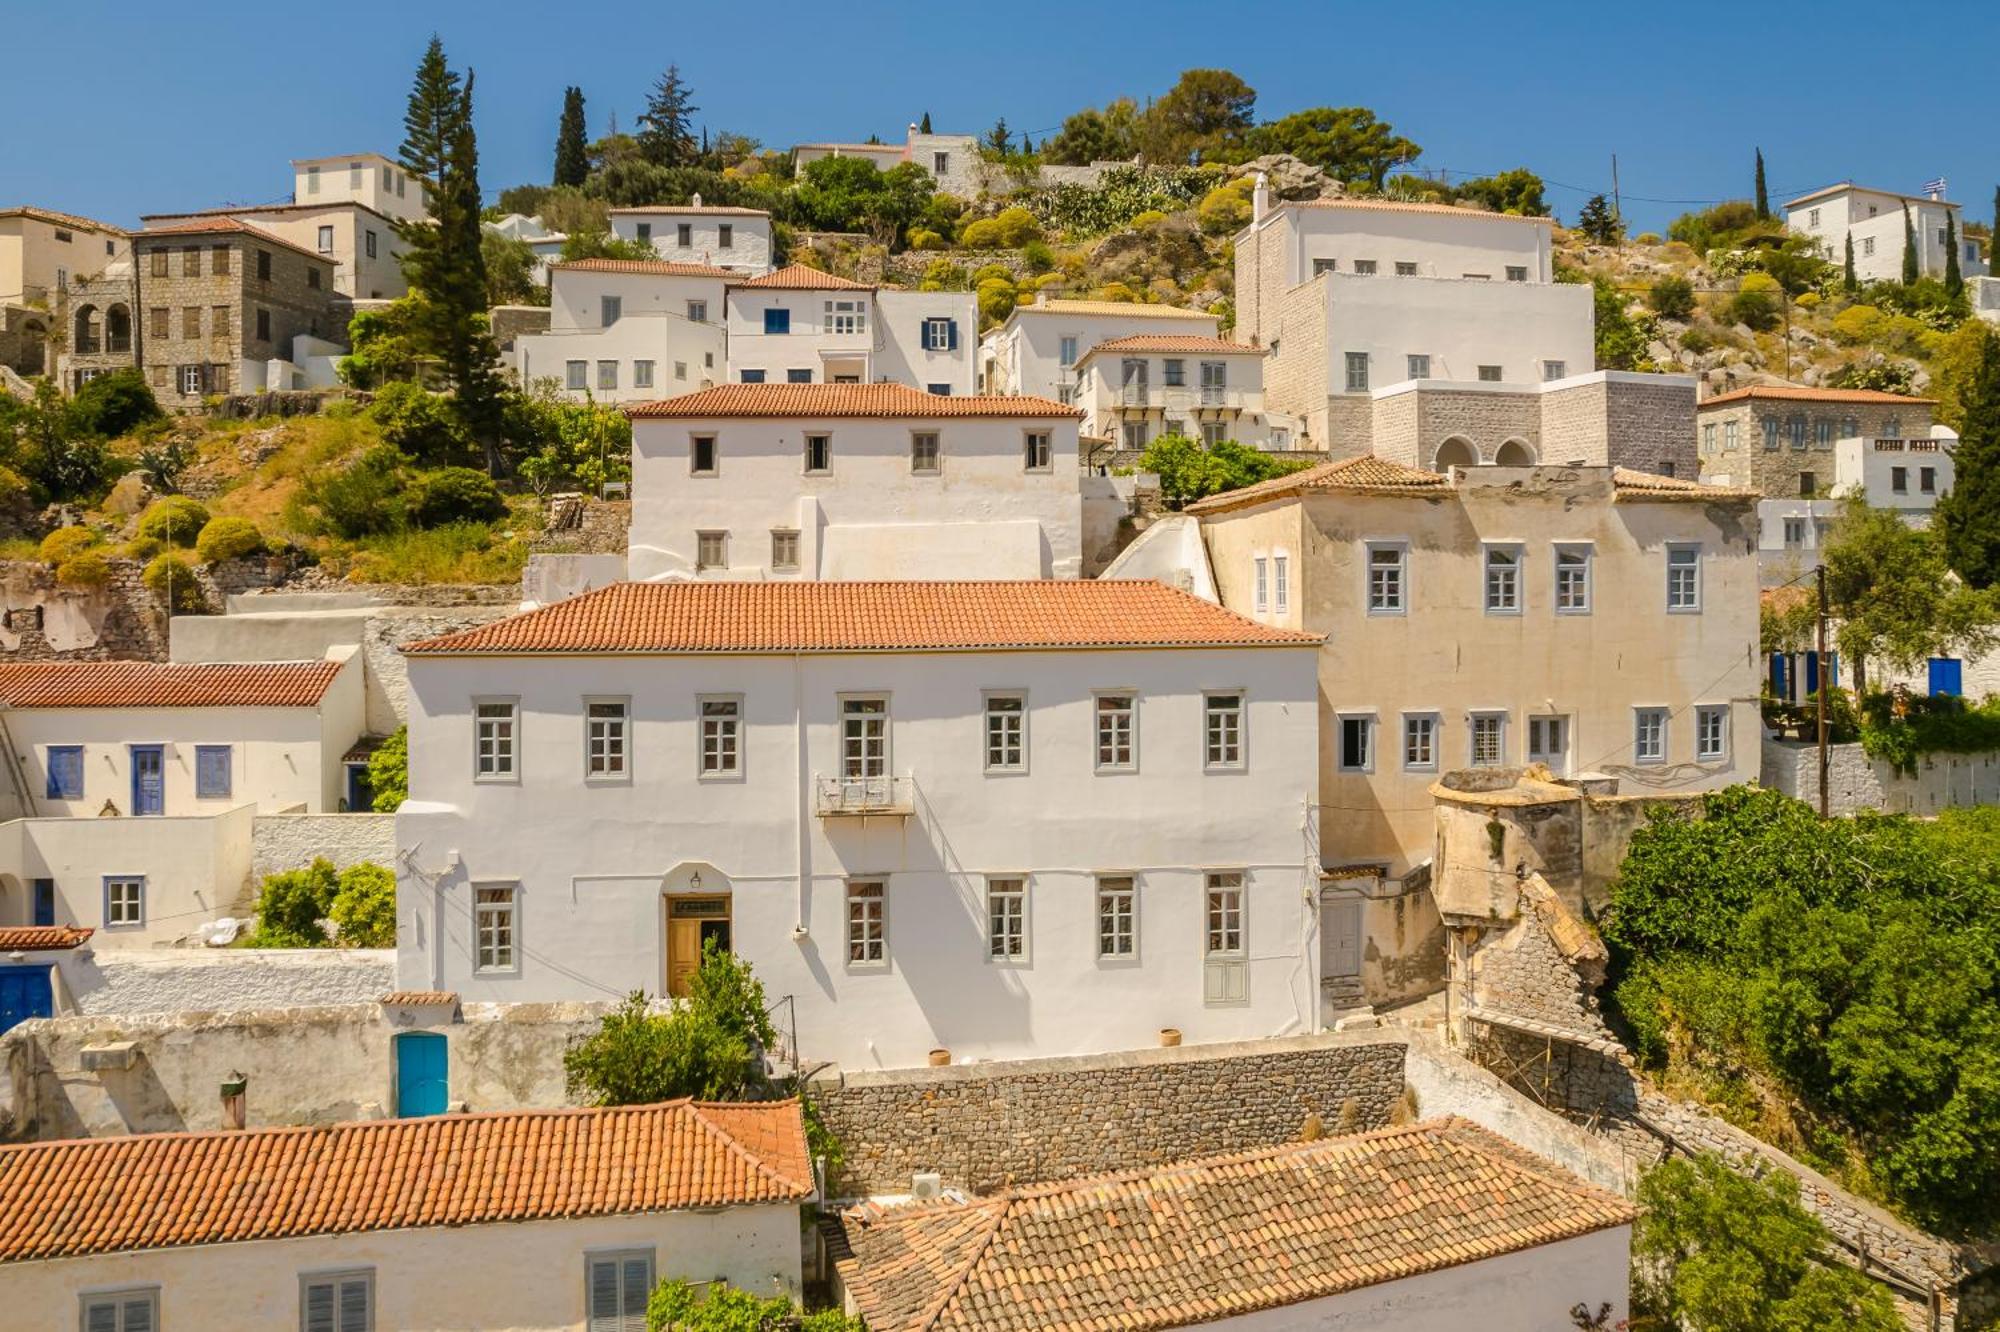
(1820, 577)
(1617, 201)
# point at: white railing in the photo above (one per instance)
(837, 796)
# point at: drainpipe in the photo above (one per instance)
(803, 817)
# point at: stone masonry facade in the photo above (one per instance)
(1617, 422)
(211, 301)
(1784, 447)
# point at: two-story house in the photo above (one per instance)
(1136, 388)
(361, 242)
(811, 481)
(1778, 439)
(629, 330)
(803, 326)
(1874, 220)
(994, 818)
(738, 239)
(1035, 351)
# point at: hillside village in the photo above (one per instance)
(1186, 724)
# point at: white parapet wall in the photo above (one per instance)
(221, 980)
(1855, 781)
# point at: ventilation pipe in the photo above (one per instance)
(1260, 198)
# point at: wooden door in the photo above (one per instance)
(683, 954)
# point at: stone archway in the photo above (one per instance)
(88, 336)
(1458, 451)
(1515, 453)
(117, 329)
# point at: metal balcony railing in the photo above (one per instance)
(837, 797)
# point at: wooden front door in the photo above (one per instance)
(691, 923)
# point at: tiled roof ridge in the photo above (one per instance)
(994, 1221)
(733, 1144)
(226, 223)
(56, 217)
(31, 685)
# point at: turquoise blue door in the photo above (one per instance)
(421, 1085)
(1947, 675)
(24, 994)
(149, 779)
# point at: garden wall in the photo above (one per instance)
(1855, 781)
(280, 842)
(171, 980)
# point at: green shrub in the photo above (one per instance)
(996, 301)
(702, 1048)
(1760, 282)
(1147, 220)
(1859, 324)
(1188, 470)
(1756, 310)
(456, 495)
(1223, 211)
(292, 905)
(363, 909)
(421, 424)
(1037, 257)
(172, 580)
(86, 568)
(114, 404)
(389, 772)
(1017, 226)
(1672, 297)
(64, 542)
(1697, 340)
(983, 234)
(176, 520)
(228, 539)
(362, 499)
(675, 1306)
(920, 239)
(142, 549)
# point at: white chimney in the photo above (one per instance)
(695, 201)
(1260, 198)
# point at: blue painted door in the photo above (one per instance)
(149, 779)
(24, 994)
(1947, 675)
(421, 1084)
(359, 799)
(45, 901)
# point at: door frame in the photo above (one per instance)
(1560, 768)
(668, 915)
(132, 753)
(407, 1040)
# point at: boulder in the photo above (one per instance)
(1288, 177)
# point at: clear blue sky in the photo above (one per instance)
(113, 111)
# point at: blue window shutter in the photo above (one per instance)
(951, 335)
(65, 775)
(1778, 675)
(211, 771)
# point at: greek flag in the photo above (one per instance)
(1935, 188)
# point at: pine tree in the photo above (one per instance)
(925, 128)
(1968, 515)
(999, 137)
(1763, 195)
(1954, 276)
(1597, 224)
(666, 129)
(572, 154)
(1911, 271)
(435, 98)
(1848, 282)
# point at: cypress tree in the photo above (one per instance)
(1910, 269)
(1848, 281)
(1763, 195)
(1954, 277)
(1968, 516)
(572, 154)
(666, 129)
(925, 128)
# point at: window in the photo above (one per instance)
(617, 1287)
(191, 380)
(1357, 744)
(1892, 428)
(1404, 268)
(263, 265)
(864, 738)
(725, 236)
(1503, 580)
(312, 180)
(1683, 578)
(644, 231)
(846, 317)
(1115, 732)
(1419, 365)
(1868, 246)
(940, 334)
(1554, 369)
(701, 455)
(938, 390)
(495, 914)
(1795, 430)
(122, 1311)
(1135, 435)
(798, 376)
(1387, 566)
(1808, 483)
(684, 234)
(576, 375)
(609, 310)
(1812, 217)
(777, 320)
(1795, 533)
(867, 939)
(369, 238)
(160, 318)
(211, 772)
(493, 731)
(1731, 436)
(1708, 437)
(1823, 433)
(160, 262)
(784, 548)
(1357, 372)
(1262, 580)
(1280, 584)
(1325, 266)
(642, 374)
(263, 326)
(752, 376)
(607, 375)
(124, 900)
(1225, 978)
(711, 550)
(1214, 433)
(940, 163)
(312, 278)
(191, 261)
(1006, 920)
(1222, 730)
(1711, 733)
(819, 453)
(604, 738)
(1649, 735)
(191, 322)
(698, 312)
(326, 240)
(337, 1302)
(1066, 351)
(1572, 580)
(1927, 480)
(1517, 272)
(1850, 427)
(1035, 451)
(1489, 739)
(1420, 735)
(1174, 373)
(721, 737)
(65, 772)
(680, 370)
(924, 451)
(1489, 374)
(1117, 918)
(1006, 733)
(1771, 427)
(1365, 267)
(1899, 480)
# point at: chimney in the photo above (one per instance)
(234, 1090)
(695, 201)
(913, 129)
(1260, 198)
(1042, 296)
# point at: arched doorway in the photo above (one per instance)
(33, 358)
(1515, 453)
(1457, 451)
(117, 329)
(89, 335)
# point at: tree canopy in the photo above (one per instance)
(1347, 142)
(572, 148)
(1968, 516)
(666, 126)
(1894, 596)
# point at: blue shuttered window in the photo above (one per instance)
(65, 772)
(211, 772)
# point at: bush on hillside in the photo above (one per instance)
(1017, 226)
(364, 498)
(114, 404)
(455, 495)
(983, 234)
(65, 542)
(172, 580)
(175, 520)
(88, 568)
(228, 539)
(1672, 297)
(421, 425)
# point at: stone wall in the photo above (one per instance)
(1855, 781)
(985, 1125)
(201, 299)
(40, 620)
(172, 980)
(1647, 427)
(1775, 472)
(280, 842)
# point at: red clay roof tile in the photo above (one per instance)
(798, 277)
(1800, 393)
(28, 938)
(160, 684)
(640, 267)
(844, 400)
(1174, 342)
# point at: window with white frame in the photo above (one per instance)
(1488, 748)
(1066, 350)
(1708, 437)
(136, 1310)
(610, 309)
(711, 550)
(684, 234)
(1007, 920)
(1420, 739)
(1261, 583)
(1214, 433)
(1711, 733)
(864, 737)
(1357, 372)
(846, 316)
(1325, 266)
(1224, 945)
(1732, 435)
(605, 737)
(1388, 563)
(1554, 369)
(1222, 730)
(924, 451)
(326, 240)
(337, 1301)
(617, 1286)
(642, 374)
(493, 738)
(1366, 267)
(1419, 365)
(1503, 580)
(1035, 451)
(819, 453)
(867, 924)
(1573, 579)
(702, 455)
(495, 921)
(1357, 743)
(1117, 917)
(1489, 374)
(124, 900)
(1406, 268)
(1117, 732)
(1649, 735)
(1281, 591)
(721, 736)
(1771, 427)
(576, 375)
(1006, 733)
(1795, 533)
(1683, 577)
(725, 236)
(607, 375)
(698, 312)
(784, 548)
(939, 333)
(1517, 272)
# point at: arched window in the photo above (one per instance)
(117, 329)
(1515, 453)
(89, 332)
(1455, 452)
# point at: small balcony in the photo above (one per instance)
(861, 797)
(1134, 395)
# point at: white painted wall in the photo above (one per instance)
(1871, 466)
(576, 297)
(982, 514)
(594, 859)
(1461, 244)
(1460, 325)
(366, 178)
(1025, 354)
(1183, 408)
(196, 867)
(748, 250)
(684, 356)
(178, 980)
(1875, 219)
(889, 347)
(508, 1275)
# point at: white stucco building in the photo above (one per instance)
(370, 179)
(1136, 388)
(629, 330)
(1001, 819)
(1036, 350)
(803, 326)
(808, 481)
(738, 239)
(545, 1220)
(1907, 476)
(1354, 295)
(1874, 218)
(953, 160)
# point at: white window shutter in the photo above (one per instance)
(604, 1312)
(1225, 981)
(354, 1305)
(139, 1315)
(320, 1307)
(101, 1317)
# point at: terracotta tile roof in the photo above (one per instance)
(162, 684)
(797, 277)
(264, 210)
(217, 226)
(705, 617)
(1404, 206)
(420, 999)
(1174, 342)
(1208, 1240)
(1138, 309)
(823, 401)
(162, 1190)
(1800, 393)
(1628, 484)
(1365, 474)
(698, 210)
(645, 267)
(27, 938)
(54, 218)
